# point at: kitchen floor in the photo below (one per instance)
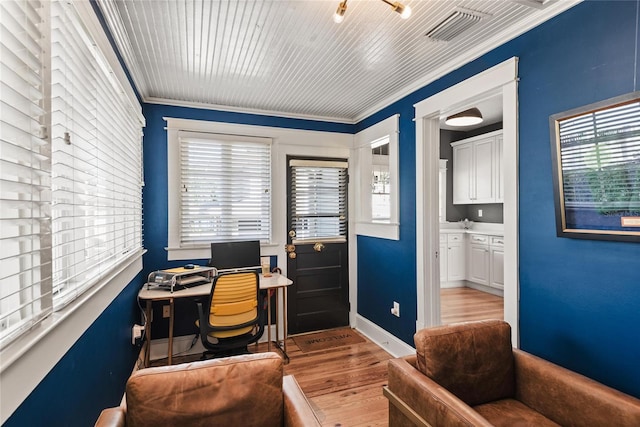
(466, 304)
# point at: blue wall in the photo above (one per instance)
(91, 375)
(579, 299)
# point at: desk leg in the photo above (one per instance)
(170, 355)
(283, 347)
(268, 321)
(277, 317)
(147, 330)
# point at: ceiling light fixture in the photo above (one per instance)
(338, 17)
(402, 10)
(469, 117)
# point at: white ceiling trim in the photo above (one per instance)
(499, 39)
(206, 106)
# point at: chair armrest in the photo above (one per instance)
(112, 417)
(430, 401)
(569, 398)
(297, 410)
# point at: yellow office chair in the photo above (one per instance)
(235, 315)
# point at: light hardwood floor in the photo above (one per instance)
(344, 384)
(466, 304)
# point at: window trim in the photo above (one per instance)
(177, 128)
(364, 225)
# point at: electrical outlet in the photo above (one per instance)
(396, 309)
(479, 213)
(136, 333)
(166, 310)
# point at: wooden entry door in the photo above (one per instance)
(317, 246)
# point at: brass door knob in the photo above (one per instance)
(318, 247)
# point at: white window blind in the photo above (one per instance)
(25, 239)
(225, 186)
(318, 199)
(600, 154)
(96, 162)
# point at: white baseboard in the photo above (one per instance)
(390, 343)
(484, 288)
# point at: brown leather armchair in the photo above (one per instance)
(468, 374)
(247, 390)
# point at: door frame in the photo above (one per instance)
(500, 79)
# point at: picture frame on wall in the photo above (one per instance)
(595, 152)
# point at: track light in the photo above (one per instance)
(338, 17)
(469, 117)
(402, 10)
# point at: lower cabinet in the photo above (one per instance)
(496, 245)
(452, 258)
(478, 259)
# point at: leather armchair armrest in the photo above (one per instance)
(112, 417)
(569, 398)
(297, 410)
(426, 398)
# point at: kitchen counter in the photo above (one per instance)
(485, 232)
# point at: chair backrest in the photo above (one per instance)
(473, 360)
(233, 391)
(233, 304)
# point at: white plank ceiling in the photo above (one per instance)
(290, 58)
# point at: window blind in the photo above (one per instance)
(25, 237)
(600, 154)
(318, 199)
(96, 162)
(225, 188)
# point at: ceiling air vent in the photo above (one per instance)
(454, 25)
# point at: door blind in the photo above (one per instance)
(25, 230)
(318, 199)
(600, 155)
(225, 189)
(97, 162)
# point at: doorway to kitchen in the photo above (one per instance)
(499, 81)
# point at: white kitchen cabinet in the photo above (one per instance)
(477, 169)
(496, 259)
(478, 265)
(452, 258)
(444, 259)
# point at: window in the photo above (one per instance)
(71, 164)
(380, 181)
(25, 239)
(225, 188)
(319, 199)
(377, 180)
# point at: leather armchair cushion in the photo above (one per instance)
(510, 412)
(200, 393)
(473, 361)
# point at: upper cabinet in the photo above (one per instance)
(477, 169)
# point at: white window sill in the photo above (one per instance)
(28, 359)
(390, 231)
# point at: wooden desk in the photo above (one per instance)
(276, 282)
